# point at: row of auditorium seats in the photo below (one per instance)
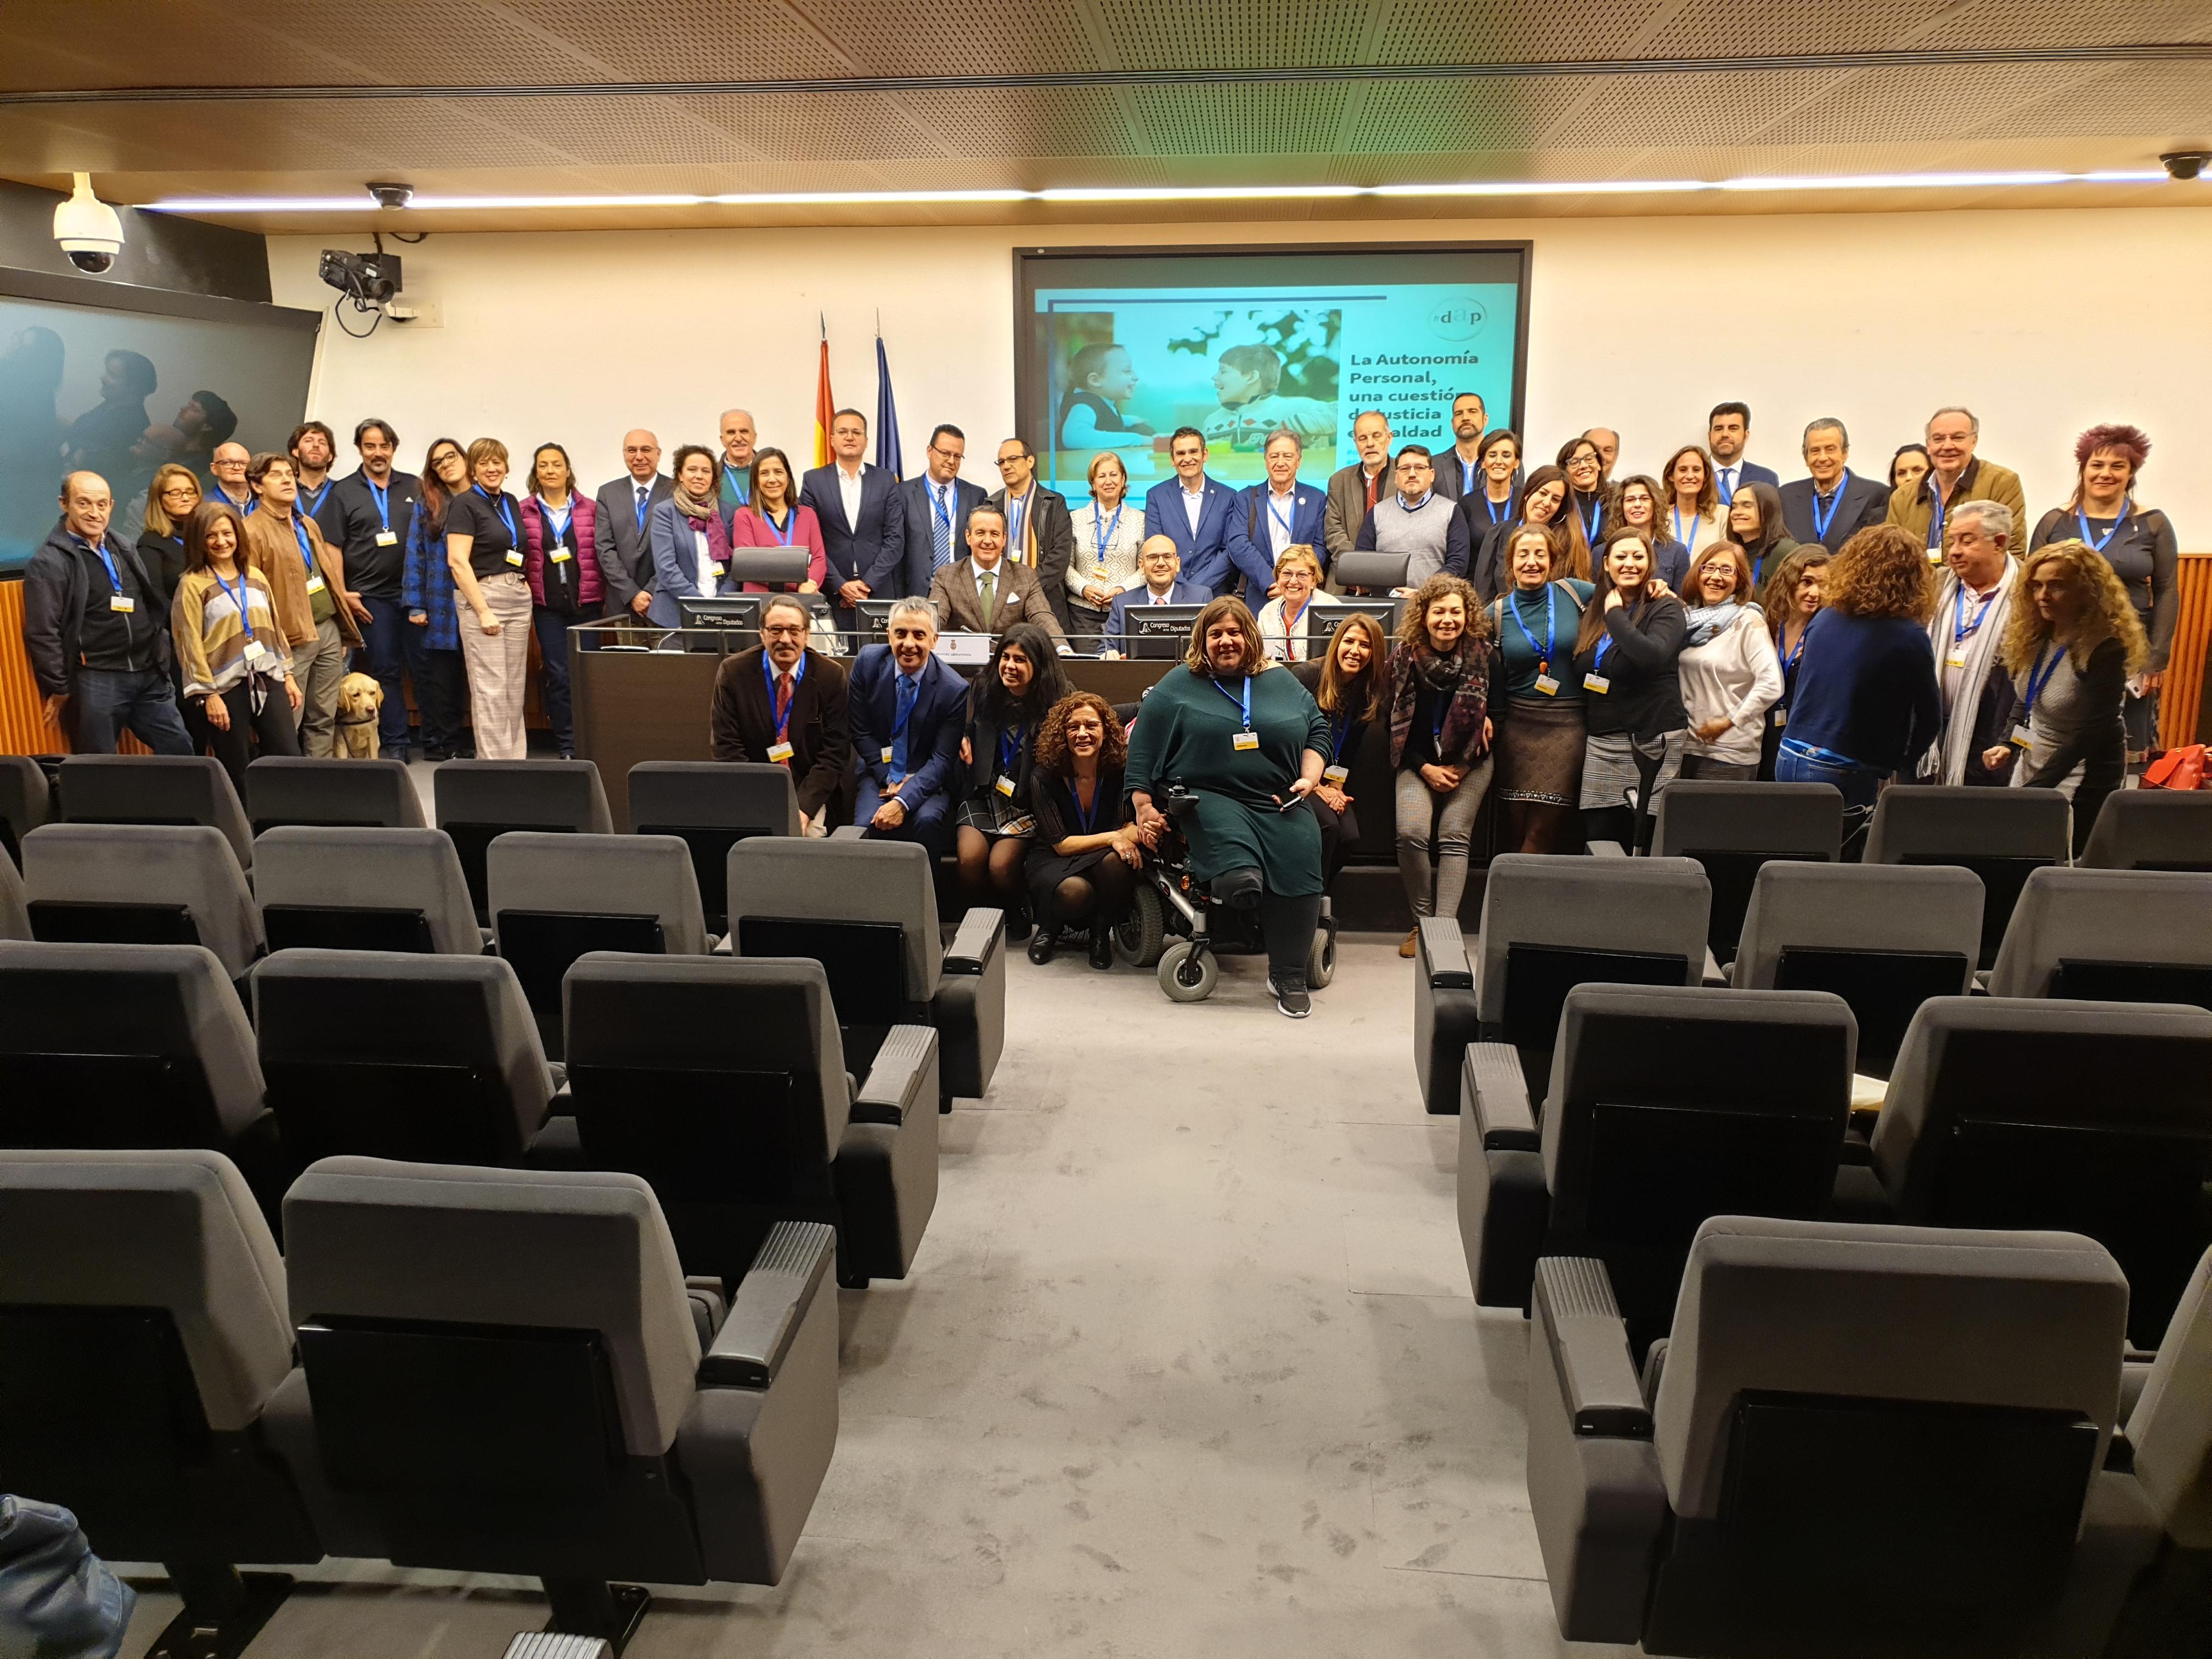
(476, 1370)
(1874, 1440)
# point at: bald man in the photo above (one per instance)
(738, 437)
(620, 542)
(93, 630)
(227, 475)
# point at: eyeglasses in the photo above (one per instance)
(1012, 461)
(783, 631)
(180, 493)
(948, 454)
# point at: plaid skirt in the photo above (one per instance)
(1609, 775)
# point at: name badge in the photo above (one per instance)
(387, 538)
(1336, 774)
(315, 585)
(562, 556)
(779, 752)
(716, 568)
(1934, 555)
(515, 559)
(887, 755)
(1005, 787)
(122, 602)
(254, 651)
(2022, 737)
(1781, 719)
(1547, 686)
(1954, 661)
(1246, 740)
(1596, 683)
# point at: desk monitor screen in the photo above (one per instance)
(875, 619)
(1328, 612)
(1159, 633)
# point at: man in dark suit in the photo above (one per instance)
(1158, 562)
(1272, 516)
(1727, 430)
(909, 715)
(863, 519)
(620, 540)
(1194, 512)
(936, 506)
(987, 592)
(1040, 531)
(1832, 505)
(787, 706)
(1459, 469)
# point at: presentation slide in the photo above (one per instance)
(1120, 349)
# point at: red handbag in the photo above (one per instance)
(2177, 769)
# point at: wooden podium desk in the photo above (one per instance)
(635, 705)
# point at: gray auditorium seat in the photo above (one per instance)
(391, 1054)
(502, 1372)
(723, 1082)
(1732, 829)
(1859, 1440)
(2109, 936)
(144, 1326)
(24, 803)
(169, 789)
(2089, 1116)
(1668, 1105)
(553, 898)
(712, 806)
(14, 911)
(2001, 835)
(2151, 829)
(2169, 1429)
(127, 1046)
(141, 883)
(1883, 937)
(363, 890)
(480, 799)
(366, 794)
(1549, 923)
(866, 910)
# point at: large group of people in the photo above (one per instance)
(1571, 642)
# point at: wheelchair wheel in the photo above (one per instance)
(1321, 958)
(1140, 935)
(1186, 974)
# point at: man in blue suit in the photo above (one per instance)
(909, 715)
(1728, 429)
(1194, 512)
(1157, 561)
(1272, 516)
(1834, 504)
(863, 517)
(936, 506)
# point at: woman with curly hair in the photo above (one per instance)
(1006, 707)
(1864, 703)
(1086, 850)
(1795, 590)
(2138, 542)
(1440, 731)
(2069, 650)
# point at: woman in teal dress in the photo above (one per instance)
(1247, 740)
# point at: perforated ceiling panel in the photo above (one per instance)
(1080, 121)
(1422, 117)
(929, 37)
(1240, 119)
(1233, 34)
(678, 40)
(1703, 28)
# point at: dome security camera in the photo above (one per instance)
(89, 230)
(2185, 163)
(392, 196)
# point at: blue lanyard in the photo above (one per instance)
(1468, 472)
(1604, 645)
(1696, 523)
(1340, 725)
(506, 515)
(114, 576)
(788, 529)
(1282, 523)
(1790, 663)
(1936, 518)
(2039, 676)
(1591, 520)
(559, 526)
(381, 495)
(741, 484)
(1084, 821)
(1246, 704)
(1010, 749)
(942, 513)
(1437, 725)
(252, 502)
(315, 504)
(798, 677)
(1021, 511)
(1551, 630)
(2097, 543)
(1102, 534)
(307, 551)
(1290, 621)
(244, 616)
(1498, 514)
(1960, 628)
(1822, 521)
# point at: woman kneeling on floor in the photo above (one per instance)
(1086, 851)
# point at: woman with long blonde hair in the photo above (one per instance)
(170, 499)
(2069, 649)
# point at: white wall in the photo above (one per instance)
(2042, 322)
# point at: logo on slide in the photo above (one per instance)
(1457, 320)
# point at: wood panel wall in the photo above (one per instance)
(2181, 701)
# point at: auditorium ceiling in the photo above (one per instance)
(1485, 110)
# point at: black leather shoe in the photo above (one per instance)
(1042, 946)
(1102, 947)
(1018, 926)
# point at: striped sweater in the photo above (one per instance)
(210, 638)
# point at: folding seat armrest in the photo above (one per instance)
(981, 935)
(847, 832)
(903, 1078)
(769, 1305)
(1497, 1090)
(1443, 953)
(1444, 1020)
(1607, 849)
(1586, 1341)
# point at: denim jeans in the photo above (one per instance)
(553, 628)
(1860, 784)
(104, 701)
(383, 655)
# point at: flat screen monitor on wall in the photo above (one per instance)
(119, 390)
(1117, 348)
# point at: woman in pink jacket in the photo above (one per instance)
(557, 521)
(776, 520)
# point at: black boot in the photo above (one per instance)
(1017, 924)
(1102, 946)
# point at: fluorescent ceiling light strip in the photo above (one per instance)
(1501, 187)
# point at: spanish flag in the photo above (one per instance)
(825, 406)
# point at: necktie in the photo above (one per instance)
(943, 533)
(906, 693)
(641, 495)
(1727, 481)
(1371, 479)
(990, 596)
(782, 697)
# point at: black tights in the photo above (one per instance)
(991, 868)
(1287, 924)
(1101, 896)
